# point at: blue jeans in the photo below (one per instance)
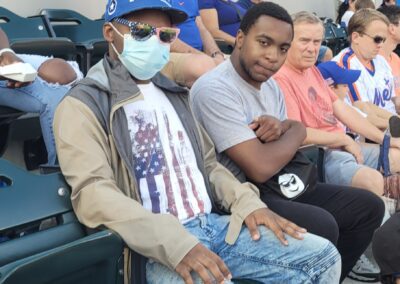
(38, 97)
(312, 260)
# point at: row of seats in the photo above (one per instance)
(70, 35)
(59, 33)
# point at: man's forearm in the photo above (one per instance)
(209, 44)
(181, 47)
(357, 123)
(325, 138)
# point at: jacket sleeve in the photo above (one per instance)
(240, 199)
(85, 156)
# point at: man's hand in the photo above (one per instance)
(204, 262)
(354, 148)
(8, 58)
(396, 101)
(275, 223)
(267, 128)
(395, 142)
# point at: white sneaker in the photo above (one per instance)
(364, 271)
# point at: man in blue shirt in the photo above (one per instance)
(195, 51)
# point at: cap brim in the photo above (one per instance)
(351, 76)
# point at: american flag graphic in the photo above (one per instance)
(159, 190)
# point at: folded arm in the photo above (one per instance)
(260, 161)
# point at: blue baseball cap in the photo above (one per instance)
(119, 8)
(335, 74)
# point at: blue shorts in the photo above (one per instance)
(341, 166)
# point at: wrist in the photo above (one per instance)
(217, 53)
(6, 50)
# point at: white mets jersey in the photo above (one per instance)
(374, 85)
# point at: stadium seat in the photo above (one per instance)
(7, 115)
(335, 36)
(34, 36)
(87, 34)
(41, 240)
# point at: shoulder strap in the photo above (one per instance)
(383, 162)
(234, 7)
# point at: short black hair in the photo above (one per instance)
(264, 9)
(392, 13)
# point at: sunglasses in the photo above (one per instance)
(142, 32)
(376, 39)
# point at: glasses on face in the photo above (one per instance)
(142, 32)
(376, 39)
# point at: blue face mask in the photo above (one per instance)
(143, 59)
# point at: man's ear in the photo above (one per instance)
(355, 36)
(239, 39)
(108, 32)
(392, 29)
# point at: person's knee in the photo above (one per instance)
(58, 71)
(394, 157)
(370, 179)
(328, 227)
(195, 66)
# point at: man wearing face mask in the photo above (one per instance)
(139, 164)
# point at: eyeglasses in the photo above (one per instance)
(376, 39)
(142, 32)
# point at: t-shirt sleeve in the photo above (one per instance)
(291, 101)
(221, 113)
(332, 94)
(282, 111)
(206, 4)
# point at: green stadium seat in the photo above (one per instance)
(41, 240)
(34, 36)
(87, 34)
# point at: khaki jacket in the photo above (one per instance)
(94, 152)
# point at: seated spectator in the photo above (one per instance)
(388, 3)
(222, 18)
(243, 110)
(313, 103)
(247, 4)
(386, 247)
(345, 12)
(367, 33)
(364, 4)
(309, 100)
(324, 54)
(55, 77)
(195, 51)
(392, 40)
(339, 79)
(139, 165)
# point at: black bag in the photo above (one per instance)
(294, 179)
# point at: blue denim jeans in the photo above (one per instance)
(312, 260)
(39, 97)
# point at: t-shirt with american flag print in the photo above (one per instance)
(164, 161)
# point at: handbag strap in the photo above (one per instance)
(383, 161)
(234, 7)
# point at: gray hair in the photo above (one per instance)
(306, 17)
